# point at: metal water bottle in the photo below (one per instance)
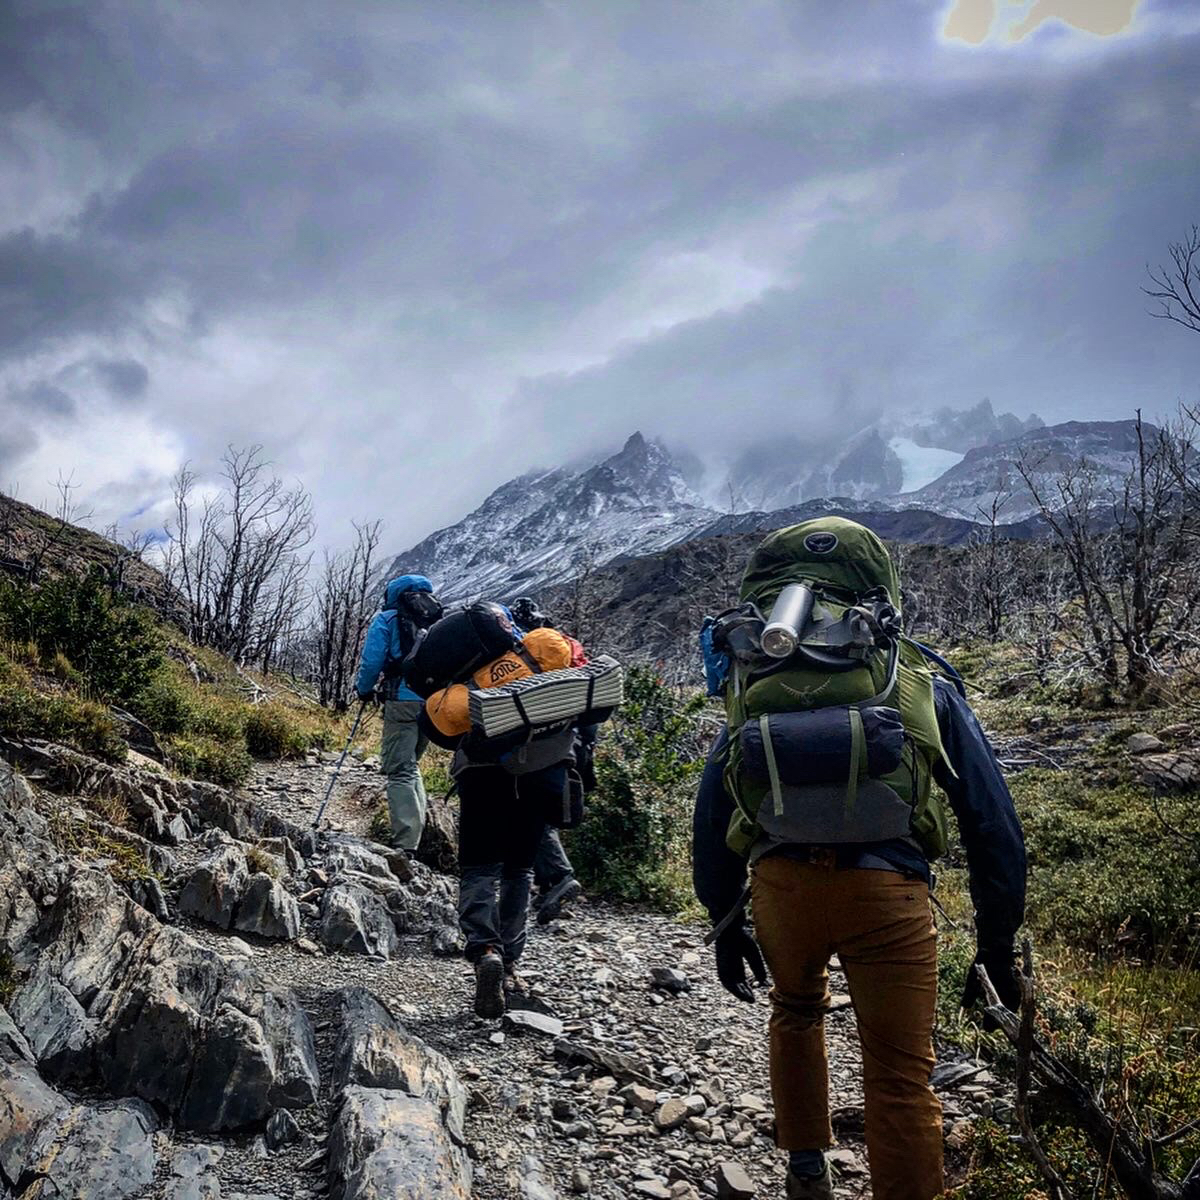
(790, 613)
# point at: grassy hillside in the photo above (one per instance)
(85, 664)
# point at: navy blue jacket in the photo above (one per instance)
(979, 798)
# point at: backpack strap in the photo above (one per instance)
(934, 657)
(764, 725)
(858, 758)
(532, 663)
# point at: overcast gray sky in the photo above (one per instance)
(416, 248)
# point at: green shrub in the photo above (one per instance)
(167, 702)
(111, 644)
(271, 734)
(221, 718)
(635, 838)
(1111, 867)
(276, 731)
(58, 717)
(197, 756)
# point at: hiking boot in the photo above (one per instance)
(568, 888)
(489, 986)
(810, 1187)
(513, 983)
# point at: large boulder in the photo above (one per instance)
(222, 891)
(386, 1144)
(165, 1019)
(267, 909)
(375, 1050)
(354, 917)
(215, 887)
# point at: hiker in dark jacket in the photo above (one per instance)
(553, 875)
(869, 903)
(389, 638)
(837, 728)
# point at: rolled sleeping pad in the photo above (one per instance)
(449, 708)
(544, 699)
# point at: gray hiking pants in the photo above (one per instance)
(499, 831)
(551, 864)
(400, 754)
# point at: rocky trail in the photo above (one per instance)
(224, 1004)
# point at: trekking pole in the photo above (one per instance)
(362, 708)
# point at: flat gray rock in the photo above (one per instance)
(106, 1151)
(386, 1144)
(194, 1174)
(374, 1050)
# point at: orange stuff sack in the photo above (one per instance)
(449, 709)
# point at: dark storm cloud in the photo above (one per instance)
(54, 286)
(16, 441)
(374, 237)
(43, 399)
(124, 378)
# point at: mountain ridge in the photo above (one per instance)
(548, 526)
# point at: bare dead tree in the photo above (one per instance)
(238, 557)
(995, 578)
(1131, 548)
(68, 513)
(342, 612)
(1177, 287)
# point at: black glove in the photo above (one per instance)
(736, 950)
(1002, 971)
(371, 697)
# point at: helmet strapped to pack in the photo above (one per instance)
(527, 614)
(833, 730)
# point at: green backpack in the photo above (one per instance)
(834, 742)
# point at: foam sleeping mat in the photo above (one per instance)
(548, 697)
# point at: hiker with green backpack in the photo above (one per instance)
(822, 786)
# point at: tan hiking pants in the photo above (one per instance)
(880, 925)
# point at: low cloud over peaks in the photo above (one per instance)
(384, 240)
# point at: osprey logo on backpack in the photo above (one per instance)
(821, 542)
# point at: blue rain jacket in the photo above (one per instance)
(388, 640)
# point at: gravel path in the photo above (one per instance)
(540, 1124)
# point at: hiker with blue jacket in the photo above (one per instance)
(820, 790)
(408, 606)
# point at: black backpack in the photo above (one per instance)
(452, 649)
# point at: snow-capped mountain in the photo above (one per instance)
(545, 527)
(893, 455)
